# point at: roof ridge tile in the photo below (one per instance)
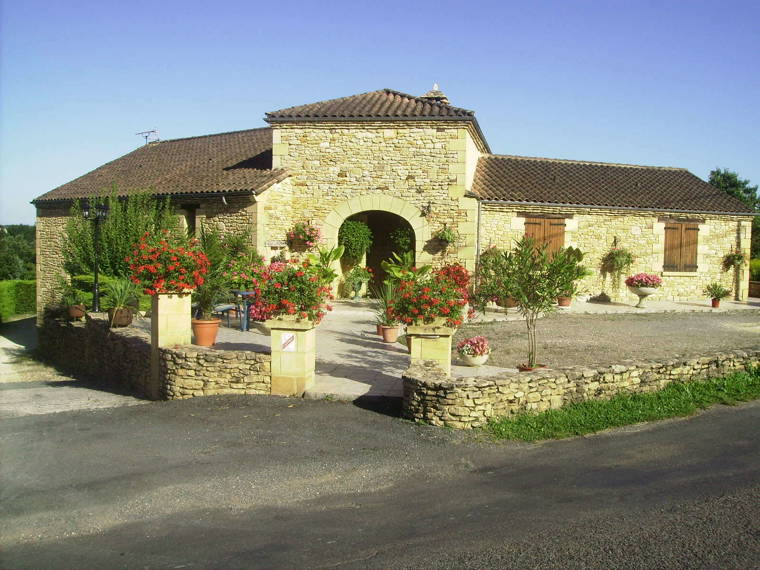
(575, 161)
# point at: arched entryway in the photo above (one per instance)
(390, 234)
(382, 205)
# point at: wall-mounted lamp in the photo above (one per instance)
(426, 209)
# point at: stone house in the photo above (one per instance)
(398, 161)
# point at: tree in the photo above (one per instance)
(17, 252)
(729, 182)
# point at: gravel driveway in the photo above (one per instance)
(598, 340)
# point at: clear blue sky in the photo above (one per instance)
(646, 82)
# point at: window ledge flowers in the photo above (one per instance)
(644, 280)
(303, 234)
(165, 263)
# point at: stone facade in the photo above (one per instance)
(433, 397)
(595, 230)
(122, 357)
(340, 169)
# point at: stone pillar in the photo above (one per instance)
(169, 326)
(293, 356)
(431, 342)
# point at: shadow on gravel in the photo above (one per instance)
(383, 405)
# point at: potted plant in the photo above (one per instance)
(357, 278)
(570, 273)
(616, 262)
(303, 236)
(474, 351)
(72, 300)
(643, 285)
(121, 301)
(446, 236)
(715, 291)
(356, 238)
(384, 298)
(735, 259)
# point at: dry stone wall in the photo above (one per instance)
(120, 357)
(595, 230)
(50, 226)
(433, 397)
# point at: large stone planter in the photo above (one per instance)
(642, 293)
(293, 355)
(431, 342)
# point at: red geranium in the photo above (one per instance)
(165, 263)
(427, 299)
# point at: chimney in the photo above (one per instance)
(435, 95)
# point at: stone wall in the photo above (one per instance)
(420, 163)
(433, 397)
(120, 358)
(50, 226)
(595, 230)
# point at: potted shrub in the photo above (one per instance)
(715, 291)
(121, 301)
(356, 239)
(570, 273)
(616, 262)
(474, 351)
(384, 295)
(295, 291)
(643, 285)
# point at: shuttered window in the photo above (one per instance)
(550, 231)
(681, 240)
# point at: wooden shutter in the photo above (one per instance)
(554, 234)
(549, 231)
(534, 229)
(672, 260)
(681, 241)
(689, 242)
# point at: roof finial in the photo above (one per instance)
(436, 95)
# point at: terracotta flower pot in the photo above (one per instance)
(715, 303)
(119, 317)
(379, 329)
(76, 312)
(564, 301)
(205, 331)
(390, 333)
(507, 302)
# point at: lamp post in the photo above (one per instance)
(96, 216)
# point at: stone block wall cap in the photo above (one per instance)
(289, 324)
(430, 330)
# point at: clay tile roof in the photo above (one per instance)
(239, 161)
(385, 104)
(527, 180)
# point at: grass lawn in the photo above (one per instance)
(677, 399)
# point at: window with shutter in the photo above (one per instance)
(550, 231)
(681, 239)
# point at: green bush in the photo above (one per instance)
(17, 297)
(87, 282)
(356, 238)
(754, 269)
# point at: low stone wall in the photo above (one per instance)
(120, 357)
(433, 397)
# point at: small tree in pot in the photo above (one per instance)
(121, 300)
(716, 292)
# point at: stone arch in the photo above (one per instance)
(370, 202)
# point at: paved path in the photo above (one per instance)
(28, 387)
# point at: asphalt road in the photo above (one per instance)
(260, 482)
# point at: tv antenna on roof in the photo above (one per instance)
(149, 136)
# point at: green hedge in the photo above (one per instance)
(754, 269)
(17, 297)
(86, 283)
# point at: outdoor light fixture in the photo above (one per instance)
(425, 210)
(95, 216)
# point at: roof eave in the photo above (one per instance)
(622, 208)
